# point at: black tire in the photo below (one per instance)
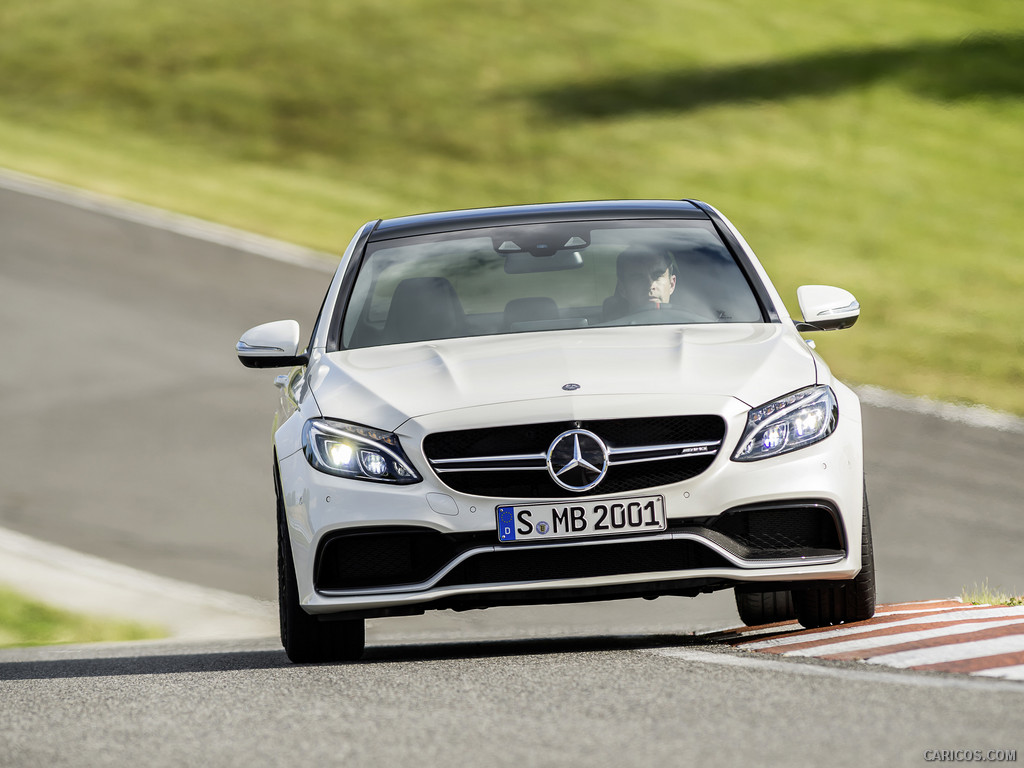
(305, 638)
(848, 601)
(765, 607)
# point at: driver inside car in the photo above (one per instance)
(646, 280)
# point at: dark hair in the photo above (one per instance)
(655, 260)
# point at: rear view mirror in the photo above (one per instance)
(826, 308)
(271, 345)
(524, 263)
(541, 240)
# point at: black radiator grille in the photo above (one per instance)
(535, 439)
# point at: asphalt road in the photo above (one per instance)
(131, 432)
(601, 702)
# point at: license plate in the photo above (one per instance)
(566, 520)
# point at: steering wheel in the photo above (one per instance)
(664, 316)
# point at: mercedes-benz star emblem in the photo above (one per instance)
(577, 460)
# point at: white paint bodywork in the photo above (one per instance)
(270, 340)
(385, 386)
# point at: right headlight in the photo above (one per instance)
(360, 453)
(789, 424)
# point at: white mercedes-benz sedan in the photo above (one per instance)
(561, 403)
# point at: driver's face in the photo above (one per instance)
(647, 287)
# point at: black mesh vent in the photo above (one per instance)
(378, 558)
(536, 438)
(535, 564)
(762, 532)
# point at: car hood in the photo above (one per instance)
(385, 386)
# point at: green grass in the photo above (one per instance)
(874, 145)
(27, 622)
(983, 594)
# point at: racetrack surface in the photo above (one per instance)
(132, 433)
(600, 701)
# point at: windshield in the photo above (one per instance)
(545, 277)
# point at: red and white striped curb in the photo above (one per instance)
(939, 635)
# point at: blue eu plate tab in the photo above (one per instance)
(506, 524)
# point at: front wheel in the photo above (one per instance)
(847, 601)
(757, 608)
(305, 638)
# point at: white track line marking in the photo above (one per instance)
(1016, 672)
(919, 657)
(168, 221)
(933, 609)
(65, 578)
(972, 415)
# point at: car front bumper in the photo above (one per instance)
(428, 546)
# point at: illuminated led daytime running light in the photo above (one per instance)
(788, 424)
(359, 453)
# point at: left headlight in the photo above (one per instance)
(360, 453)
(788, 424)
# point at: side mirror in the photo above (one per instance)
(271, 345)
(826, 308)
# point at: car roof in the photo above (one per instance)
(476, 218)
